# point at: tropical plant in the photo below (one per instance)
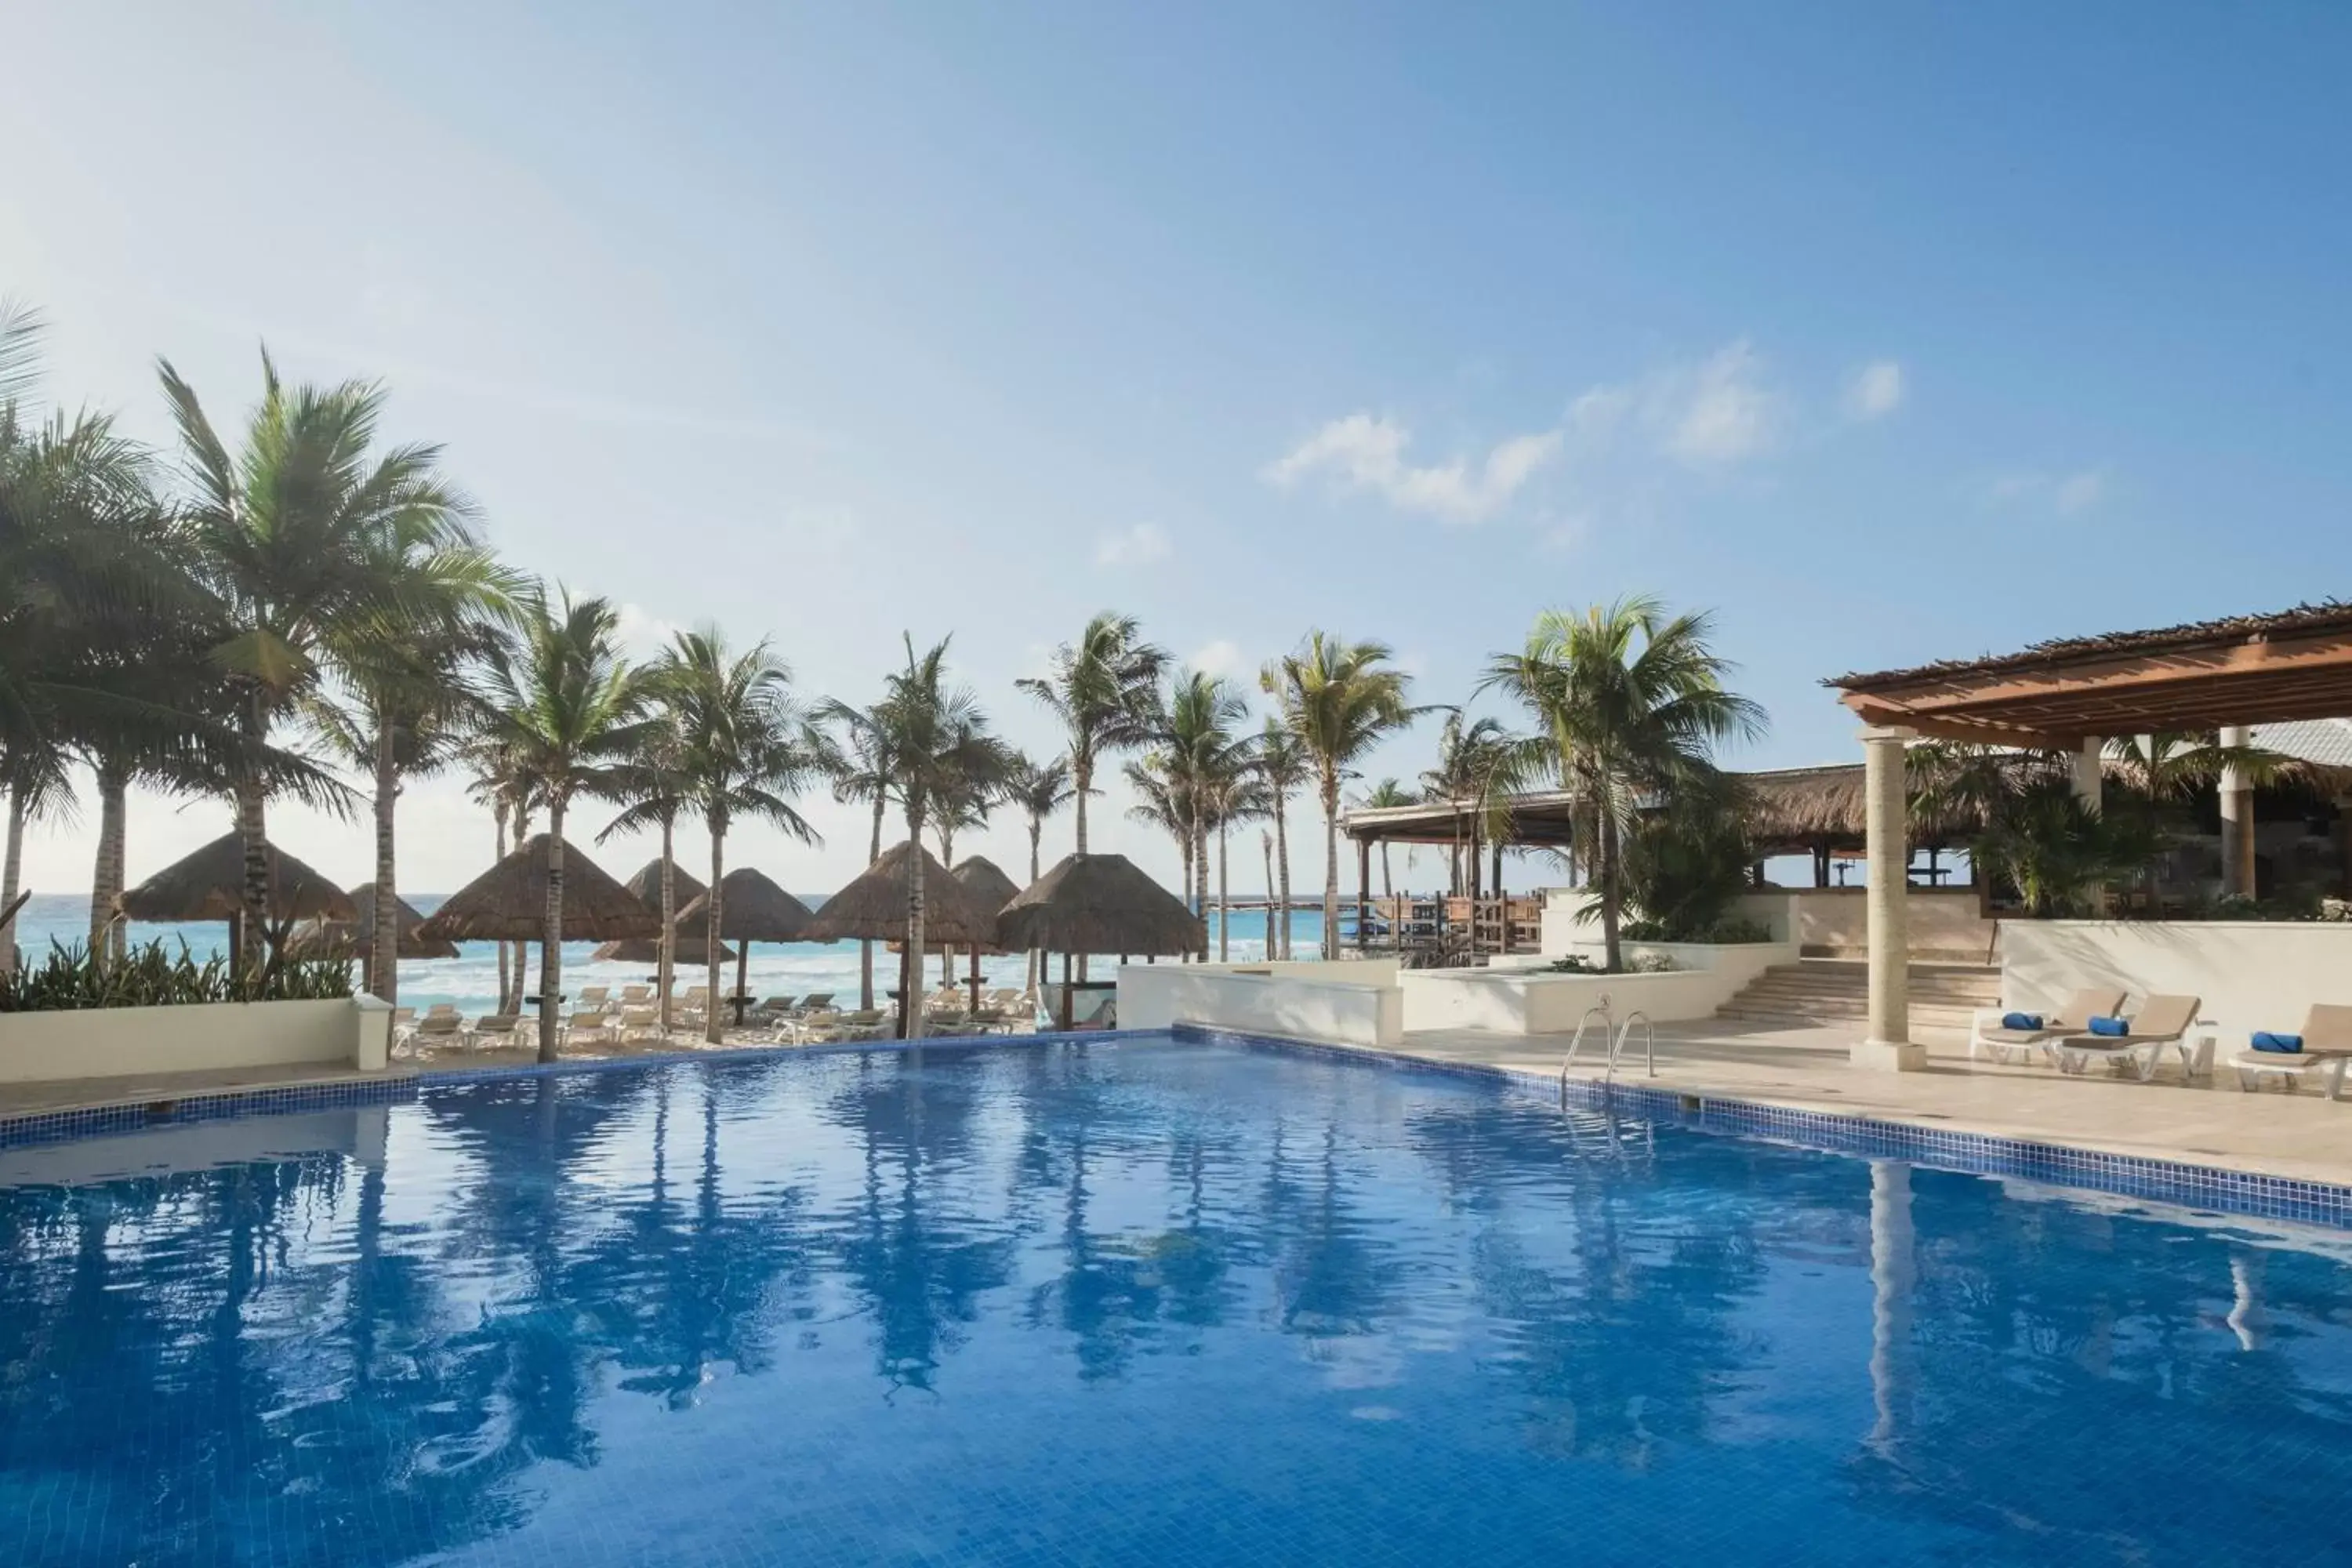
(1342, 700)
(564, 705)
(747, 747)
(77, 977)
(1629, 704)
(1039, 792)
(1473, 775)
(2058, 852)
(1688, 858)
(650, 781)
(938, 742)
(864, 774)
(305, 543)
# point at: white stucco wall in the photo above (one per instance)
(1520, 1002)
(122, 1042)
(2252, 974)
(1351, 1003)
(1944, 923)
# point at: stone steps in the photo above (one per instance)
(1837, 991)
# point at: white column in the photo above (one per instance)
(2237, 821)
(1888, 852)
(2089, 776)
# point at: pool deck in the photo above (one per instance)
(2205, 1121)
(155, 1088)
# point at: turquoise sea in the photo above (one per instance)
(470, 981)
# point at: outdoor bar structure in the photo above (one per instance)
(2073, 695)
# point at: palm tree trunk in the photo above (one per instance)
(865, 948)
(1282, 868)
(910, 1008)
(551, 941)
(1225, 902)
(106, 935)
(714, 1026)
(1184, 849)
(1611, 953)
(665, 957)
(1200, 879)
(383, 952)
(947, 954)
(506, 952)
(12, 871)
(1029, 970)
(252, 829)
(1330, 864)
(1082, 774)
(1388, 888)
(1272, 950)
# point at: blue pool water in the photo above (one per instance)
(1138, 1301)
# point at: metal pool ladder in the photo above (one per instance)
(1616, 1033)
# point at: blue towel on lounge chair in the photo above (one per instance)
(2110, 1028)
(2283, 1045)
(2026, 1021)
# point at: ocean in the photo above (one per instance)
(470, 981)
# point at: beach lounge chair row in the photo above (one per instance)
(2093, 1025)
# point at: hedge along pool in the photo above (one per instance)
(1127, 1301)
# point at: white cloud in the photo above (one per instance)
(1720, 411)
(640, 631)
(2066, 495)
(1137, 546)
(1226, 657)
(1362, 452)
(1875, 391)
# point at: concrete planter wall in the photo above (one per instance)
(2252, 974)
(1516, 1002)
(1351, 1003)
(1945, 924)
(126, 1042)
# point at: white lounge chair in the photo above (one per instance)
(2162, 1021)
(439, 1029)
(588, 1028)
(493, 1029)
(640, 1023)
(636, 995)
(2327, 1049)
(1986, 1037)
(597, 997)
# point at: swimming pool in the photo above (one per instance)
(1136, 1301)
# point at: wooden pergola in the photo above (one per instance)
(2072, 695)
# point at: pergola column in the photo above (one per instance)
(2237, 820)
(2089, 777)
(1886, 823)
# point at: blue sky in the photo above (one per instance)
(1888, 332)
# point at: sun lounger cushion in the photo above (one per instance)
(2114, 1028)
(2281, 1045)
(2025, 1023)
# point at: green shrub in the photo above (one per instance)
(71, 979)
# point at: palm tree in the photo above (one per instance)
(651, 781)
(1472, 775)
(867, 767)
(1629, 703)
(1379, 798)
(1105, 691)
(748, 747)
(1230, 794)
(1039, 792)
(1205, 763)
(500, 784)
(1282, 762)
(303, 540)
(409, 710)
(1340, 699)
(962, 803)
(565, 705)
(937, 742)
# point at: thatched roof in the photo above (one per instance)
(1098, 903)
(988, 883)
(359, 934)
(753, 910)
(2303, 620)
(209, 885)
(509, 902)
(874, 907)
(684, 889)
(689, 953)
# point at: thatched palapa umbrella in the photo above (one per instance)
(985, 882)
(690, 948)
(874, 909)
(359, 934)
(209, 885)
(752, 909)
(1098, 903)
(509, 902)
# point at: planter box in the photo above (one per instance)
(1349, 1003)
(1515, 1002)
(125, 1042)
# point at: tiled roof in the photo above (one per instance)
(2326, 742)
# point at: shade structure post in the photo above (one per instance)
(2237, 821)
(975, 980)
(1363, 891)
(742, 975)
(1888, 1048)
(1068, 1011)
